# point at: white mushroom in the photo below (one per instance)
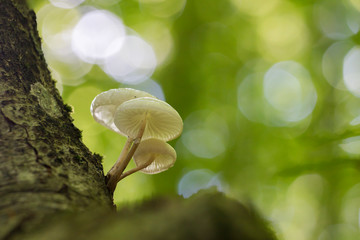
(152, 156)
(162, 121)
(104, 105)
(143, 118)
(103, 109)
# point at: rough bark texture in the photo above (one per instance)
(53, 187)
(44, 166)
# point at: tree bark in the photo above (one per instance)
(53, 187)
(44, 166)
(208, 215)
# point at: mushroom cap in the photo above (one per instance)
(162, 121)
(164, 155)
(104, 105)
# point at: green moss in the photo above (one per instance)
(68, 108)
(98, 158)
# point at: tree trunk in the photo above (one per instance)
(53, 187)
(44, 166)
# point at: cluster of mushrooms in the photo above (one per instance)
(148, 124)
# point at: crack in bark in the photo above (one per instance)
(27, 140)
(64, 190)
(8, 120)
(37, 157)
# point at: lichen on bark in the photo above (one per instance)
(44, 166)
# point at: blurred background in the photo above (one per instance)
(268, 91)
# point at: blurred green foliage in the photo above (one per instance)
(281, 138)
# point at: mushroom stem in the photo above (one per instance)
(115, 177)
(138, 168)
(121, 158)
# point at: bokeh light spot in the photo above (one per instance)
(250, 97)
(297, 216)
(351, 145)
(335, 20)
(355, 3)
(151, 87)
(70, 68)
(355, 121)
(158, 35)
(56, 26)
(203, 143)
(66, 3)
(288, 88)
(332, 63)
(351, 206)
(205, 134)
(351, 71)
(283, 96)
(97, 35)
(283, 91)
(133, 63)
(283, 35)
(196, 180)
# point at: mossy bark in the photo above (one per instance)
(53, 187)
(44, 166)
